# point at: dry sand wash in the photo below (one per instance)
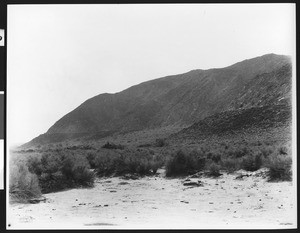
(157, 202)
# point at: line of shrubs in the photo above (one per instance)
(185, 162)
(61, 169)
(129, 161)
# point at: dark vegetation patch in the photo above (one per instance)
(109, 145)
(61, 170)
(239, 122)
(216, 158)
(129, 161)
(184, 163)
(280, 168)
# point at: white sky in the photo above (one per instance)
(61, 55)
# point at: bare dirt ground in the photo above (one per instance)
(161, 203)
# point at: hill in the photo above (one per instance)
(178, 100)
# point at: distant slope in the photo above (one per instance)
(255, 120)
(180, 100)
(266, 89)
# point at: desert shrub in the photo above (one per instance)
(183, 163)
(280, 168)
(213, 169)
(177, 164)
(53, 182)
(137, 161)
(75, 167)
(143, 168)
(34, 165)
(124, 164)
(91, 156)
(252, 163)
(61, 169)
(109, 145)
(106, 163)
(198, 159)
(51, 162)
(83, 176)
(23, 185)
(230, 164)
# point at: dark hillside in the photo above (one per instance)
(255, 120)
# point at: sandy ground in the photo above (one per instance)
(160, 203)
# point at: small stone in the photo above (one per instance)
(186, 202)
(197, 184)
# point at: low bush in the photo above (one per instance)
(34, 165)
(280, 168)
(23, 185)
(83, 176)
(53, 182)
(91, 156)
(252, 163)
(183, 163)
(109, 145)
(60, 170)
(138, 161)
(76, 168)
(213, 169)
(105, 163)
(230, 164)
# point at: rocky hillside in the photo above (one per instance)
(255, 120)
(180, 100)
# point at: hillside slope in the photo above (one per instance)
(255, 120)
(180, 100)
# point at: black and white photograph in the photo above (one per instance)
(151, 116)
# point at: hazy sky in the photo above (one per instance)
(61, 55)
